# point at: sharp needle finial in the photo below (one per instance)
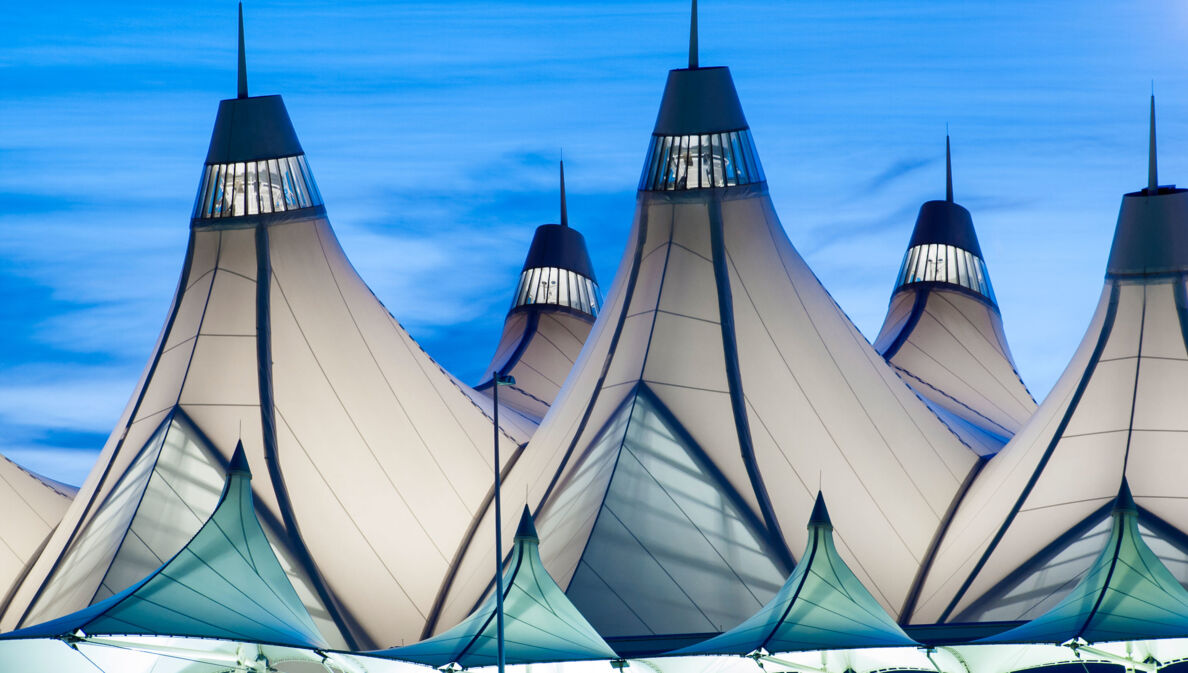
(693, 38)
(1152, 168)
(564, 211)
(243, 91)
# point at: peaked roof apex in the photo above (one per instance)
(526, 529)
(820, 515)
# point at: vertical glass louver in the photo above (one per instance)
(256, 188)
(559, 287)
(941, 263)
(700, 161)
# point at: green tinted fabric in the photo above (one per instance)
(822, 606)
(225, 583)
(1128, 594)
(540, 624)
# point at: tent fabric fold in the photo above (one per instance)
(822, 606)
(1128, 594)
(225, 583)
(541, 625)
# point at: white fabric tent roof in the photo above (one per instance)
(374, 464)
(1035, 517)
(32, 507)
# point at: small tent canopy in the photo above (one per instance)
(1128, 594)
(821, 606)
(541, 624)
(225, 583)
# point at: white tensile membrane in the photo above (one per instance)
(32, 507)
(681, 458)
(372, 462)
(1031, 523)
(957, 358)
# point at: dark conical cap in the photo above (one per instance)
(820, 515)
(1152, 233)
(560, 246)
(527, 529)
(1124, 502)
(251, 128)
(698, 100)
(239, 463)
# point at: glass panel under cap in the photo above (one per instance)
(253, 194)
(315, 195)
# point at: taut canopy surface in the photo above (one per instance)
(543, 626)
(32, 507)
(1038, 514)
(943, 331)
(822, 606)
(224, 583)
(374, 464)
(719, 387)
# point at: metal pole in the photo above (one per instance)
(498, 535)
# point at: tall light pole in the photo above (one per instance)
(499, 380)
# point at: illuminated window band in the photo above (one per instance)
(560, 287)
(699, 161)
(940, 263)
(256, 187)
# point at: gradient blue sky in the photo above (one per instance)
(433, 130)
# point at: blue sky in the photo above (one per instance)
(433, 130)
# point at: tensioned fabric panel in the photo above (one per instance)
(821, 606)
(670, 552)
(223, 583)
(32, 507)
(955, 357)
(410, 460)
(1126, 422)
(833, 412)
(571, 415)
(554, 339)
(1126, 595)
(542, 625)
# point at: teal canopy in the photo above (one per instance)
(541, 625)
(1128, 594)
(822, 606)
(225, 583)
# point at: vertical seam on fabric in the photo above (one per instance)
(268, 432)
(1138, 364)
(1120, 523)
(918, 301)
(734, 382)
(808, 562)
(1106, 328)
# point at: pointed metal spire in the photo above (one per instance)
(564, 210)
(948, 170)
(1152, 169)
(243, 92)
(693, 38)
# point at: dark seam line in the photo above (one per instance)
(808, 564)
(1109, 574)
(909, 604)
(903, 372)
(1161, 527)
(268, 428)
(1181, 295)
(456, 562)
(734, 382)
(1138, 363)
(695, 451)
(1106, 327)
(918, 301)
(148, 378)
(683, 387)
(616, 595)
(628, 292)
(999, 336)
(494, 613)
(530, 327)
(1044, 555)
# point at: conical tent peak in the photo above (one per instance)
(527, 529)
(1125, 501)
(239, 463)
(243, 90)
(820, 515)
